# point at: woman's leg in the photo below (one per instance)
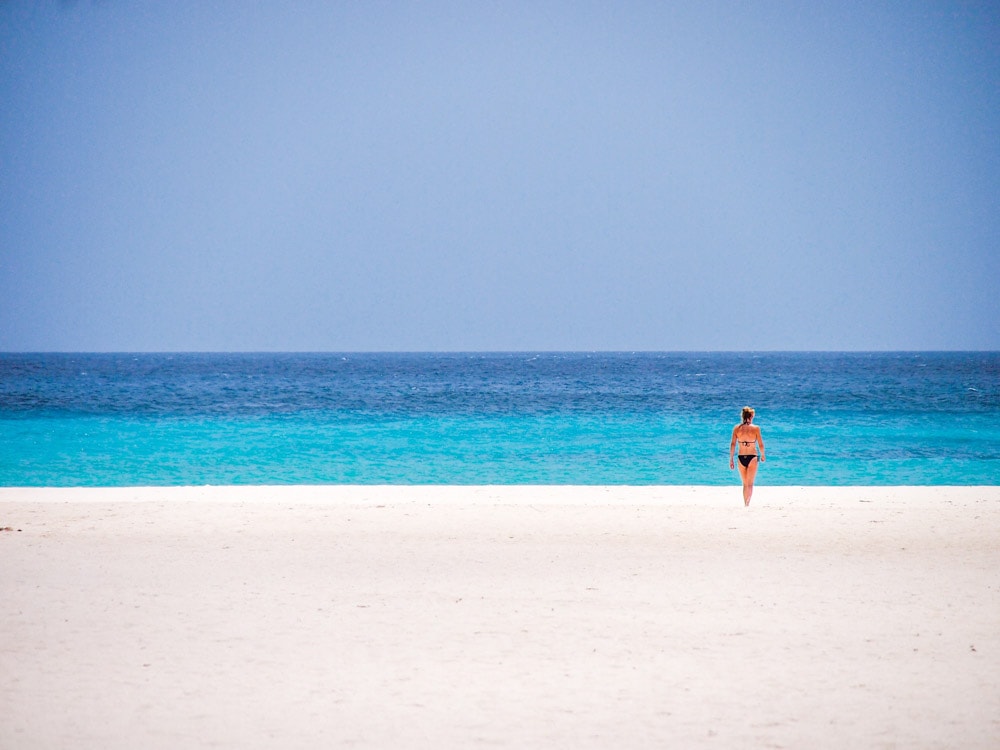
(743, 477)
(748, 476)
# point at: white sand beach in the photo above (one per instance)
(520, 617)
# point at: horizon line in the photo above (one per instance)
(6, 352)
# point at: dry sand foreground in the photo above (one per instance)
(547, 617)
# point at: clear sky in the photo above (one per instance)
(486, 175)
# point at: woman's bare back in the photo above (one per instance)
(747, 436)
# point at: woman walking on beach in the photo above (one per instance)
(748, 436)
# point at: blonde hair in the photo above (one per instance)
(747, 414)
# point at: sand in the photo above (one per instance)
(521, 617)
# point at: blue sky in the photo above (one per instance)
(368, 176)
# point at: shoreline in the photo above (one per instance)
(460, 492)
(516, 615)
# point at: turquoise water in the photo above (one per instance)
(837, 419)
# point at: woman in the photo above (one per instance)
(748, 436)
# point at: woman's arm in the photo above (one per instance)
(732, 449)
(760, 442)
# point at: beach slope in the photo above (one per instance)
(556, 617)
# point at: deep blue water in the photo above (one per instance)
(191, 419)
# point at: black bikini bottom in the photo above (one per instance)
(746, 459)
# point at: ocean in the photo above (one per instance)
(898, 418)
